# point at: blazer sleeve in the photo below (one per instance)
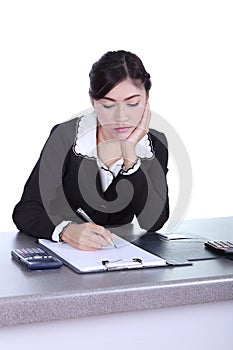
(150, 200)
(34, 213)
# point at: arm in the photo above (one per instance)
(44, 207)
(128, 146)
(156, 208)
(150, 200)
(29, 214)
(33, 214)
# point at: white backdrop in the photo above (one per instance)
(48, 47)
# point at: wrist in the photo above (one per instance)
(131, 167)
(128, 164)
(128, 153)
(64, 229)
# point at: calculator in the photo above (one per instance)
(35, 258)
(225, 247)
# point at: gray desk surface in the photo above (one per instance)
(29, 297)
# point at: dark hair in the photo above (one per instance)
(114, 67)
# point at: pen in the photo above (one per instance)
(82, 213)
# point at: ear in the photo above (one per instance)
(92, 101)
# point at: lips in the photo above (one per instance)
(122, 129)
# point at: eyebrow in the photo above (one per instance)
(126, 99)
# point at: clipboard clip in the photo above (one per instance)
(122, 264)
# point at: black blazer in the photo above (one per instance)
(63, 180)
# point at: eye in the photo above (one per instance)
(108, 106)
(133, 104)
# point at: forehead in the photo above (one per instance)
(125, 89)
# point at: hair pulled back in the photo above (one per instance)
(114, 67)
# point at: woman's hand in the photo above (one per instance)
(128, 145)
(87, 236)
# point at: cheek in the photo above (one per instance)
(106, 120)
(102, 119)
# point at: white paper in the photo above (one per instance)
(174, 236)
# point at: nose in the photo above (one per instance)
(121, 114)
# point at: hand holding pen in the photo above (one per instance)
(87, 236)
(81, 212)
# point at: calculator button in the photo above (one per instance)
(224, 245)
(40, 250)
(216, 244)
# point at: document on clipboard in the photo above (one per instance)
(126, 256)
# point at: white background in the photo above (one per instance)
(48, 47)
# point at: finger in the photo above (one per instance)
(82, 246)
(146, 116)
(96, 240)
(92, 236)
(91, 239)
(102, 232)
(82, 238)
(102, 240)
(85, 243)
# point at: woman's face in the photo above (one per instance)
(120, 111)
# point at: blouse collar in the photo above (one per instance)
(85, 139)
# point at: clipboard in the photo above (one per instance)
(125, 257)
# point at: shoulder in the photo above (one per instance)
(67, 131)
(69, 125)
(157, 138)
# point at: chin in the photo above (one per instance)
(121, 137)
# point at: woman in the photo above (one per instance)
(106, 162)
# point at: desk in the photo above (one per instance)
(164, 306)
